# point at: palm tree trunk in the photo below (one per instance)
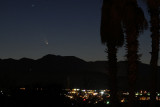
(132, 56)
(112, 61)
(154, 58)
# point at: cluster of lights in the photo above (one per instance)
(141, 95)
(99, 95)
(89, 95)
(103, 95)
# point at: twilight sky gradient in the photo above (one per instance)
(70, 27)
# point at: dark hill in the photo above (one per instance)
(68, 71)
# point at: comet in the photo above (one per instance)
(33, 5)
(46, 42)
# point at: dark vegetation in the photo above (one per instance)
(125, 17)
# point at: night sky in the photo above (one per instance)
(34, 28)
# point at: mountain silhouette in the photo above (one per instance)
(67, 71)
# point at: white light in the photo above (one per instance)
(83, 90)
(95, 93)
(107, 102)
(127, 93)
(102, 92)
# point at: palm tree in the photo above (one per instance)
(153, 7)
(134, 23)
(112, 36)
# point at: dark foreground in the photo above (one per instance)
(52, 99)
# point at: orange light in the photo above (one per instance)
(122, 101)
(22, 88)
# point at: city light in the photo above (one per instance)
(91, 96)
(104, 95)
(22, 88)
(107, 102)
(123, 100)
